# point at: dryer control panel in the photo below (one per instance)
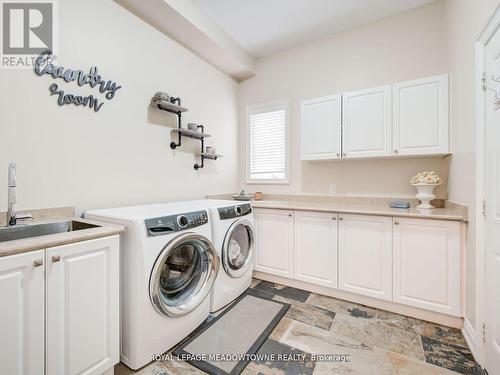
(175, 223)
(235, 211)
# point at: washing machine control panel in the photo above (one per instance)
(167, 224)
(235, 211)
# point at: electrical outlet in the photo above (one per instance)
(332, 188)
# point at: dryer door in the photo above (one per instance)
(183, 274)
(237, 250)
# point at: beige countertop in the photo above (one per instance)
(51, 240)
(436, 213)
(356, 205)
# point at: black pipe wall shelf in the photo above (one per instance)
(174, 106)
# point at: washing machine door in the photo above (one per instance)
(237, 250)
(183, 274)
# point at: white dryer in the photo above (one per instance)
(233, 235)
(168, 268)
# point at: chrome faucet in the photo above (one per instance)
(12, 215)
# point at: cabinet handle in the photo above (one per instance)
(341, 218)
(344, 154)
(289, 215)
(396, 223)
(334, 218)
(338, 155)
(396, 151)
(37, 262)
(56, 258)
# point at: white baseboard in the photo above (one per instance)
(439, 318)
(470, 336)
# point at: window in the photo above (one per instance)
(267, 143)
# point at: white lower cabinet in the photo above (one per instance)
(414, 262)
(22, 313)
(59, 309)
(365, 255)
(274, 241)
(316, 248)
(83, 307)
(427, 264)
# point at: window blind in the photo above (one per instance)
(268, 145)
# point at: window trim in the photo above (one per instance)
(260, 108)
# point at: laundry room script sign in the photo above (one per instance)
(44, 66)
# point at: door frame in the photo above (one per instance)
(476, 337)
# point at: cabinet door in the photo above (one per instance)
(367, 123)
(83, 307)
(365, 255)
(316, 248)
(420, 116)
(274, 242)
(22, 314)
(321, 128)
(427, 264)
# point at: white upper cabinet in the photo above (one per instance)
(22, 313)
(321, 128)
(421, 116)
(407, 118)
(366, 123)
(316, 248)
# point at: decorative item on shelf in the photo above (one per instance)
(425, 182)
(258, 196)
(160, 97)
(242, 196)
(192, 126)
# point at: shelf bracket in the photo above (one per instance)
(174, 145)
(198, 166)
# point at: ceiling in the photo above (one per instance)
(264, 27)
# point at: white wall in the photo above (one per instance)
(403, 47)
(464, 20)
(120, 155)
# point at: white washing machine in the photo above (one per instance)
(233, 236)
(169, 266)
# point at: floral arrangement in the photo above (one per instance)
(426, 178)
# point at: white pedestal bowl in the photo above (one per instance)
(425, 193)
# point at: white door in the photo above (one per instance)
(420, 116)
(427, 264)
(367, 123)
(316, 248)
(83, 307)
(321, 128)
(22, 314)
(274, 242)
(492, 198)
(365, 255)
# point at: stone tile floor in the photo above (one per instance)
(378, 342)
